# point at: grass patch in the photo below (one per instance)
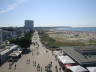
(49, 42)
(92, 42)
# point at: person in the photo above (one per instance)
(60, 69)
(56, 58)
(46, 68)
(51, 62)
(46, 51)
(56, 68)
(38, 67)
(35, 63)
(15, 67)
(33, 43)
(29, 61)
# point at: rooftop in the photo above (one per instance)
(7, 48)
(87, 50)
(65, 59)
(78, 57)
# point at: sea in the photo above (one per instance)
(91, 29)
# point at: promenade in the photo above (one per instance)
(38, 55)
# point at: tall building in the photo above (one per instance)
(29, 24)
(1, 36)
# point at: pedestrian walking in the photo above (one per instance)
(51, 62)
(38, 67)
(46, 51)
(35, 63)
(46, 68)
(56, 68)
(60, 69)
(29, 61)
(15, 67)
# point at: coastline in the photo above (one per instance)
(80, 29)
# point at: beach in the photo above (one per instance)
(84, 37)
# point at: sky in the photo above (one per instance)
(75, 13)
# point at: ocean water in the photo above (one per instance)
(92, 29)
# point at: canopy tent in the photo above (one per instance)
(92, 69)
(56, 53)
(78, 68)
(65, 59)
(15, 53)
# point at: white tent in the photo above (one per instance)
(65, 59)
(92, 69)
(15, 53)
(77, 68)
(56, 53)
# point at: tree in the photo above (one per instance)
(23, 42)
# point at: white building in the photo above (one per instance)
(5, 35)
(4, 52)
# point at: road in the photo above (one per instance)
(38, 54)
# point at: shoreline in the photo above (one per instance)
(72, 31)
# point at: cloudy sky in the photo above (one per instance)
(75, 13)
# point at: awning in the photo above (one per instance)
(65, 59)
(77, 68)
(92, 69)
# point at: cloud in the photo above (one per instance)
(12, 6)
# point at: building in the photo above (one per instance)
(1, 36)
(29, 24)
(85, 57)
(4, 52)
(11, 33)
(6, 35)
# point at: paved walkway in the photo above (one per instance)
(39, 55)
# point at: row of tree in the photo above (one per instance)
(24, 42)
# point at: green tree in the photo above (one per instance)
(23, 42)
